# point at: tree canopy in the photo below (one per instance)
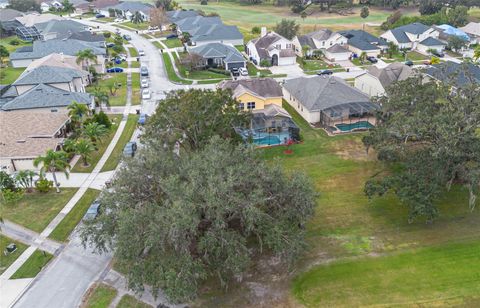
(429, 132)
(24, 5)
(287, 28)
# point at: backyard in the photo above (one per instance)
(9, 74)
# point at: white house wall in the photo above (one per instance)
(310, 117)
(369, 85)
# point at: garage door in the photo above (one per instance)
(231, 65)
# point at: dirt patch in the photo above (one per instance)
(353, 149)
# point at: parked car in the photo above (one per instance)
(130, 149)
(146, 94)
(141, 52)
(115, 70)
(118, 20)
(325, 72)
(243, 71)
(99, 16)
(409, 63)
(372, 59)
(122, 57)
(172, 36)
(235, 71)
(127, 37)
(152, 27)
(144, 71)
(142, 119)
(110, 45)
(438, 53)
(144, 83)
(93, 211)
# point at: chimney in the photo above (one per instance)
(263, 31)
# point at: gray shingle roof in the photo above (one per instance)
(216, 32)
(322, 92)
(9, 14)
(337, 49)
(320, 35)
(460, 74)
(391, 73)
(48, 74)
(45, 96)
(430, 41)
(175, 16)
(264, 42)
(363, 40)
(192, 23)
(414, 28)
(264, 87)
(306, 41)
(63, 28)
(218, 50)
(133, 6)
(68, 47)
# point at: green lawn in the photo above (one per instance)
(129, 301)
(139, 26)
(437, 276)
(11, 48)
(71, 220)
(102, 146)
(411, 55)
(136, 91)
(158, 45)
(101, 297)
(171, 72)
(36, 210)
(173, 43)
(133, 51)
(198, 74)
(240, 48)
(117, 153)
(9, 74)
(135, 64)
(253, 70)
(33, 265)
(315, 65)
(120, 97)
(7, 260)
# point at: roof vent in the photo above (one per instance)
(21, 141)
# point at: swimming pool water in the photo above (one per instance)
(268, 140)
(344, 127)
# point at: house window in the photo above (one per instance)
(250, 105)
(323, 43)
(278, 46)
(241, 106)
(331, 43)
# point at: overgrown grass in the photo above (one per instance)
(436, 276)
(129, 301)
(102, 146)
(117, 153)
(71, 220)
(33, 265)
(100, 297)
(172, 43)
(35, 210)
(7, 260)
(9, 74)
(172, 75)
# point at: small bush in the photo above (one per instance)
(203, 2)
(43, 185)
(107, 34)
(14, 42)
(102, 118)
(265, 63)
(256, 30)
(219, 71)
(12, 196)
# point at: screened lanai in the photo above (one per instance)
(349, 116)
(28, 33)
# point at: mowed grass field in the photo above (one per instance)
(347, 225)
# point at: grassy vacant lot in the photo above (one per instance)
(71, 220)
(36, 210)
(6, 260)
(33, 265)
(120, 97)
(9, 74)
(102, 146)
(347, 224)
(100, 297)
(444, 275)
(172, 75)
(136, 91)
(129, 301)
(172, 43)
(117, 153)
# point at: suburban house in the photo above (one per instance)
(318, 40)
(270, 123)
(447, 31)
(359, 41)
(46, 6)
(43, 98)
(472, 29)
(80, 6)
(221, 55)
(375, 81)
(24, 135)
(459, 74)
(254, 94)
(34, 18)
(55, 59)
(59, 29)
(177, 15)
(272, 48)
(205, 30)
(8, 20)
(414, 36)
(67, 79)
(129, 8)
(337, 53)
(23, 56)
(97, 6)
(330, 102)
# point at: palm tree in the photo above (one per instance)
(363, 57)
(392, 49)
(476, 53)
(95, 132)
(76, 112)
(84, 148)
(24, 178)
(101, 97)
(85, 56)
(53, 161)
(68, 6)
(434, 60)
(137, 17)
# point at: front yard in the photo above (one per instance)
(119, 96)
(102, 146)
(172, 43)
(7, 260)
(172, 75)
(36, 210)
(411, 55)
(139, 26)
(33, 265)
(316, 65)
(136, 91)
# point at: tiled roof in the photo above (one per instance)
(192, 23)
(263, 87)
(55, 59)
(45, 96)
(218, 50)
(48, 75)
(264, 42)
(9, 14)
(27, 134)
(133, 6)
(36, 18)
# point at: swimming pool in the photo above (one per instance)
(344, 127)
(268, 140)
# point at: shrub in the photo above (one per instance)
(6, 181)
(107, 34)
(219, 71)
(256, 30)
(265, 63)
(102, 118)
(203, 2)
(43, 185)
(12, 196)
(14, 42)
